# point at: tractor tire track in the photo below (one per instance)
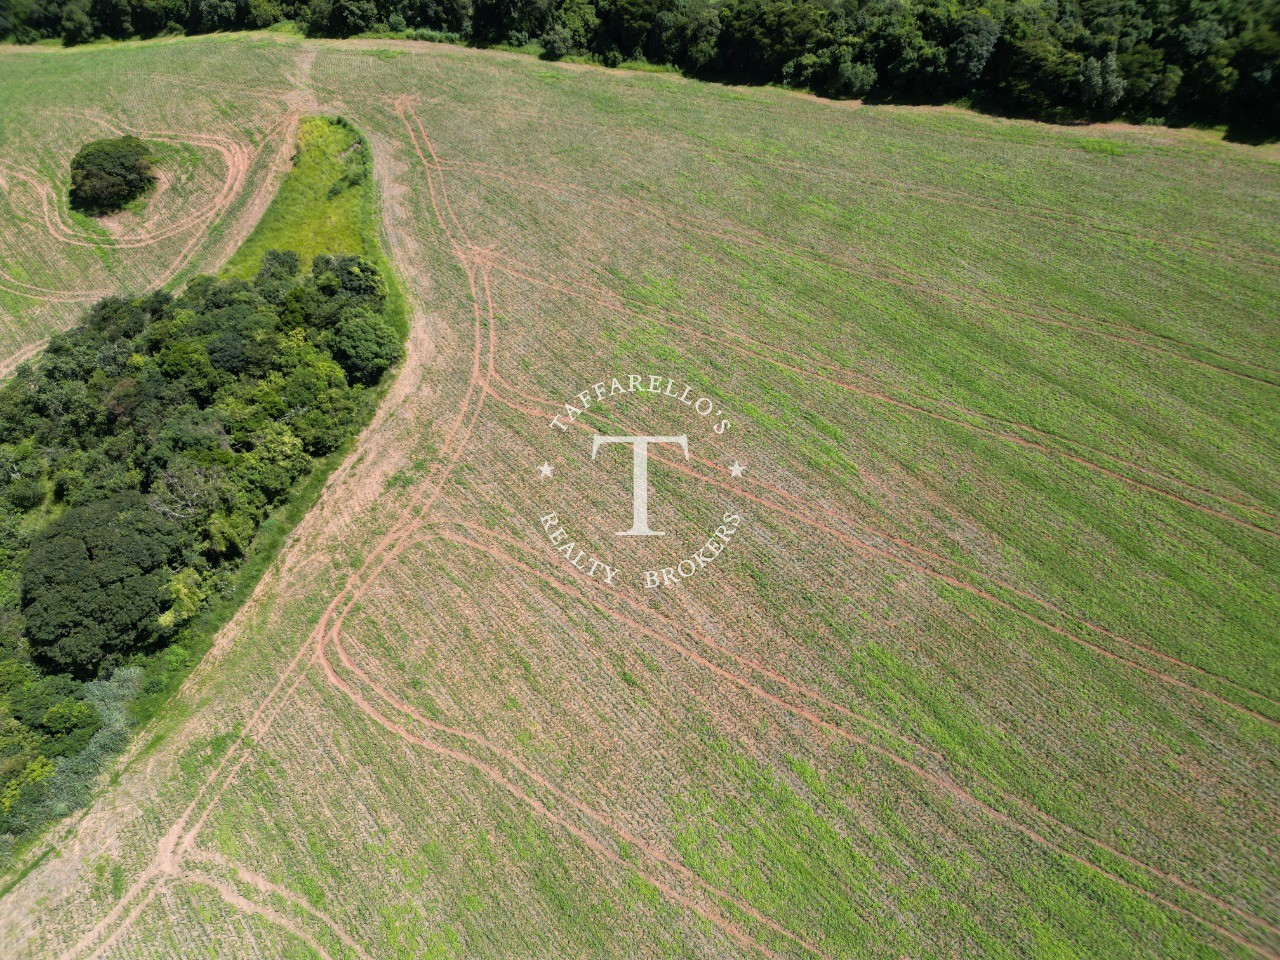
(882, 397)
(238, 162)
(263, 885)
(897, 276)
(238, 901)
(920, 567)
(915, 190)
(941, 781)
(756, 667)
(334, 636)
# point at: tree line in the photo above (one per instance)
(1172, 61)
(139, 454)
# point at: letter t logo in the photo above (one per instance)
(640, 477)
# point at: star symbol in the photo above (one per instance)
(545, 470)
(737, 469)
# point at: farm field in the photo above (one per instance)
(991, 666)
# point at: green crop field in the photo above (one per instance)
(990, 666)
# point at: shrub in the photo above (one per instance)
(26, 493)
(436, 36)
(107, 174)
(557, 42)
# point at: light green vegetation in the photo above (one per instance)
(316, 210)
(992, 668)
(327, 204)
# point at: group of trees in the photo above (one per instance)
(1211, 61)
(138, 456)
(107, 174)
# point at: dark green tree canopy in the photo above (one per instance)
(1176, 61)
(92, 582)
(107, 174)
(166, 429)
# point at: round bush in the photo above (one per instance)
(26, 494)
(107, 174)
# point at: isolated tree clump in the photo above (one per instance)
(107, 174)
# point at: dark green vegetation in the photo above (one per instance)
(107, 174)
(1185, 61)
(143, 451)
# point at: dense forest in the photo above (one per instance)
(1172, 61)
(141, 452)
